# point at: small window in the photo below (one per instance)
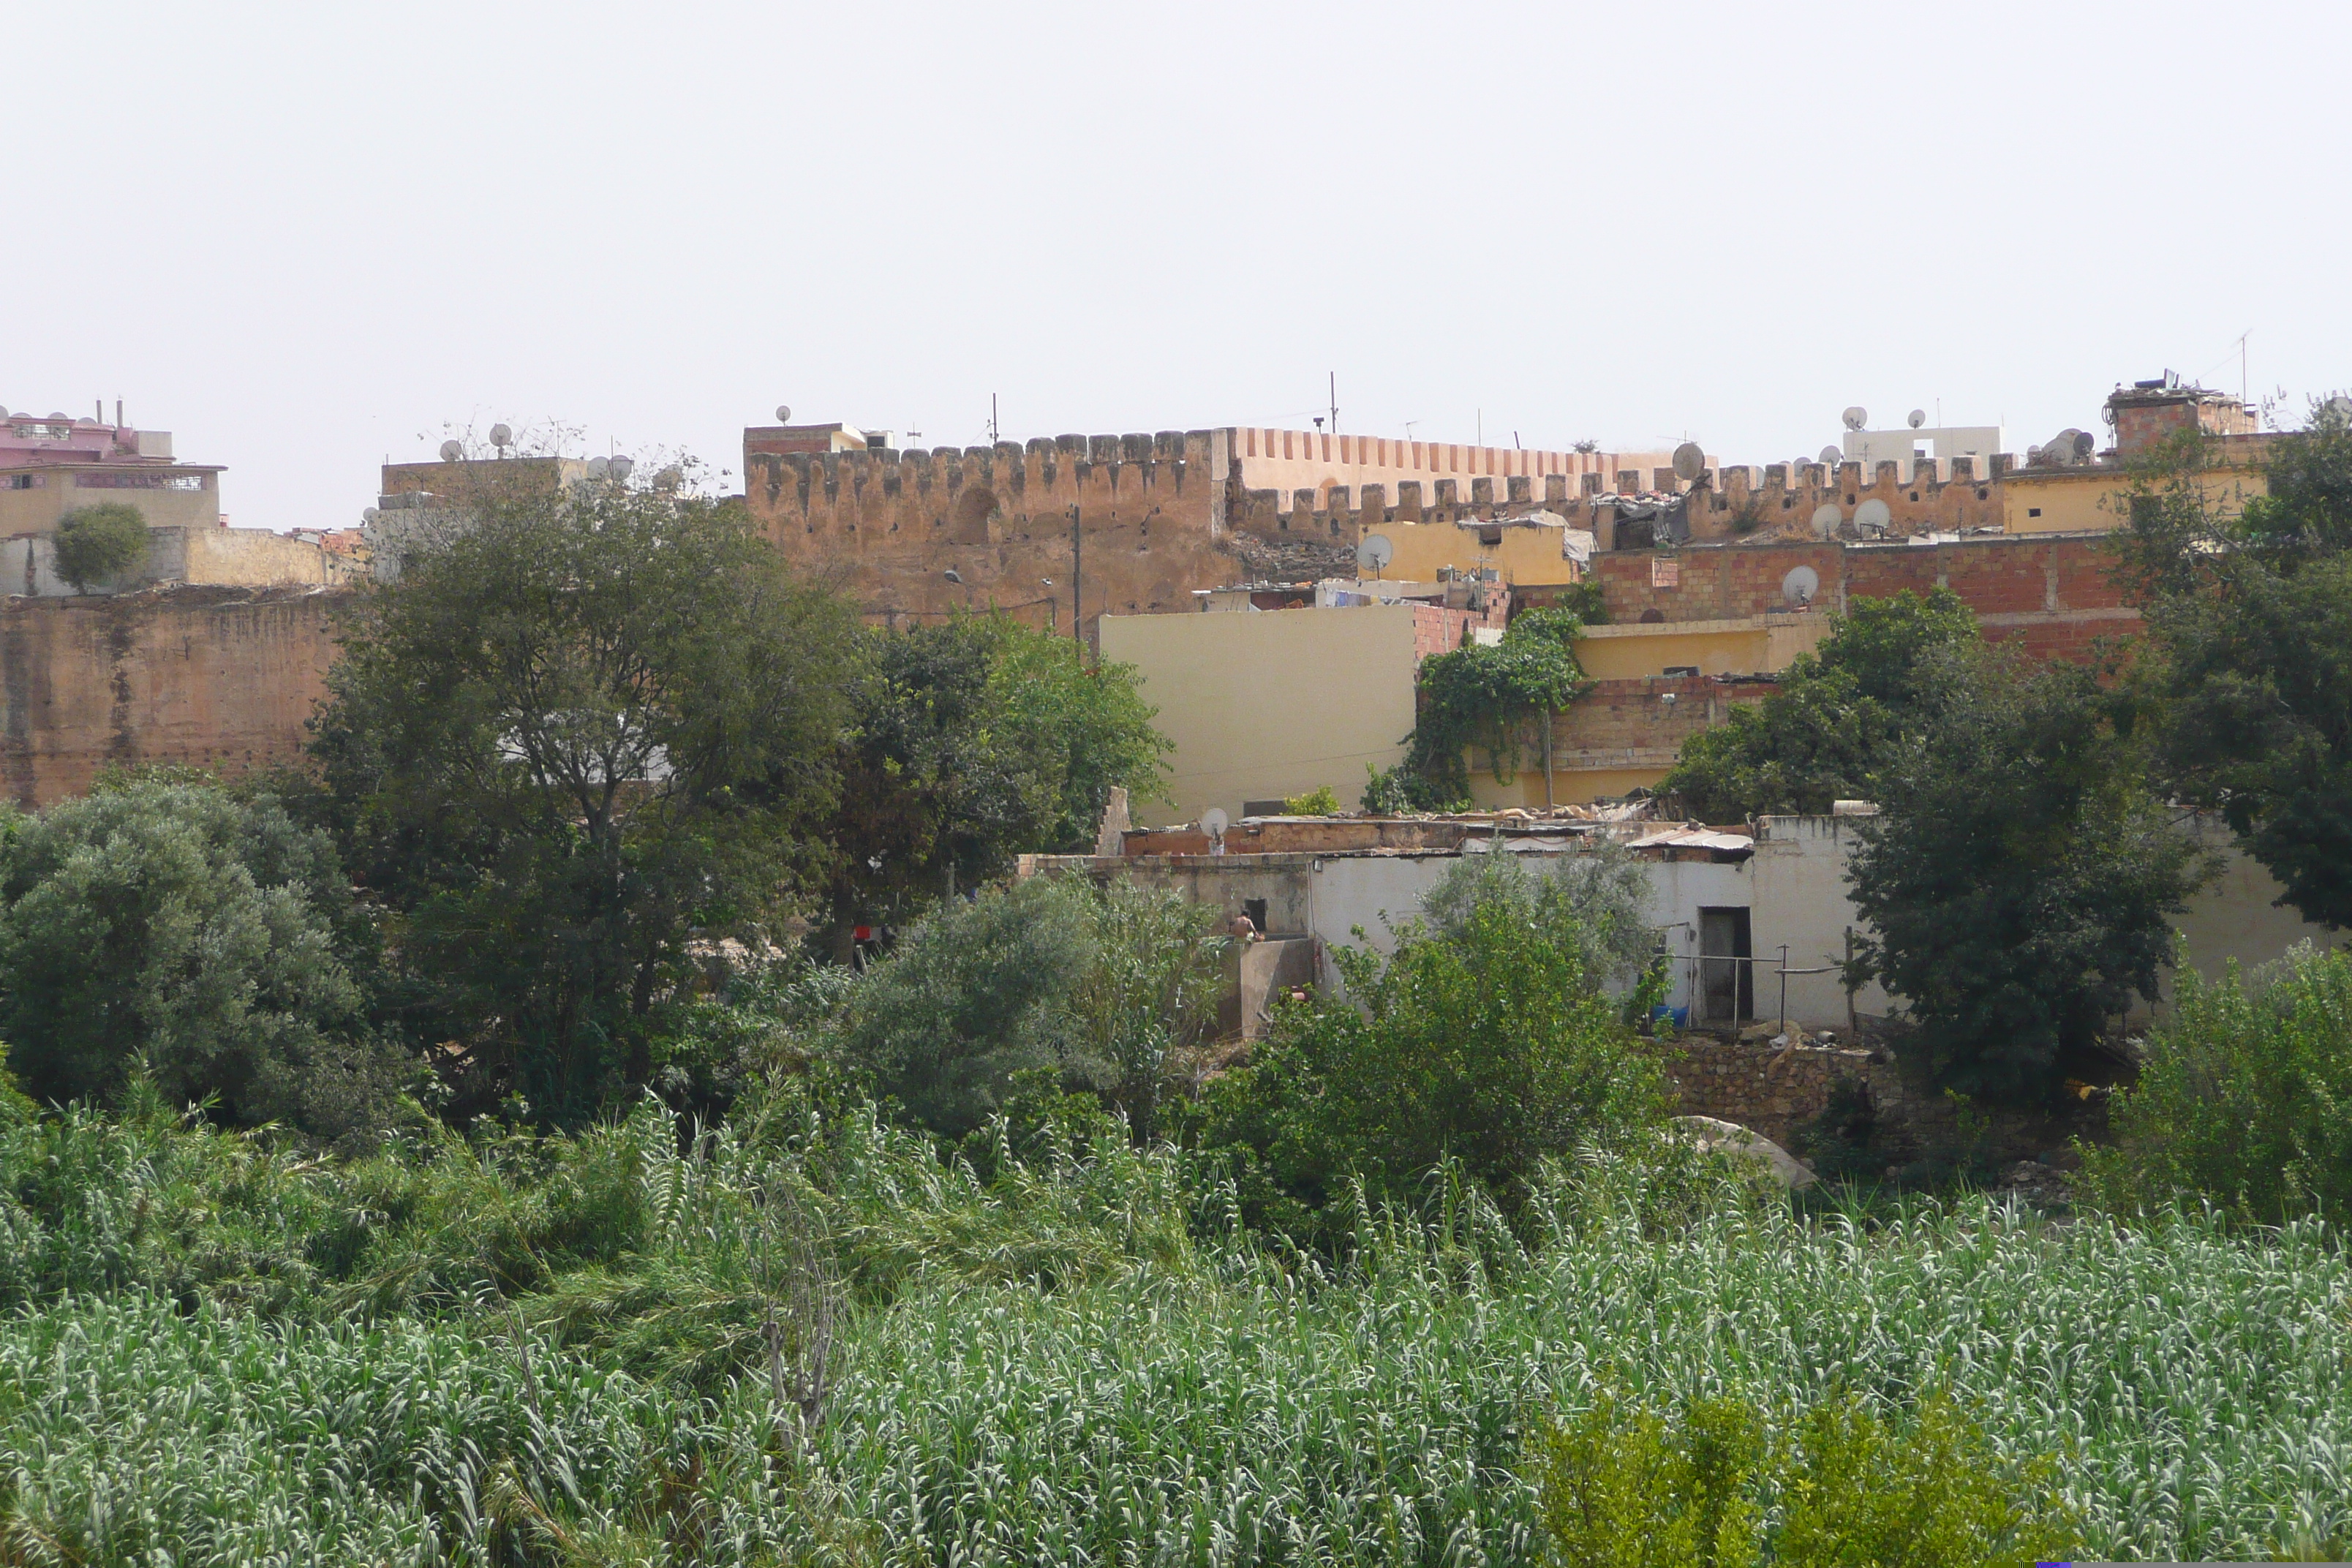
(1915, 495)
(1681, 672)
(1255, 909)
(2033, 511)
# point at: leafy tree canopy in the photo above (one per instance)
(1839, 714)
(973, 741)
(98, 543)
(178, 932)
(2250, 615)
(2020, 878)
(579, 732)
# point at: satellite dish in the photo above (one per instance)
(1373, 554)
(620, 468)
(1873, 516)
(1832, 457)
(783, 412)
(953, 575)
(1690, 461)
(1857, 417)
(1919, 417)
(4, 413)
(2334, 414)
(1215, 821)
(451, 451)
(370, 515)
(1826, 517)
(597, 467)
(1800, 585)
(2084, 445)
(670, 478)
(501, 436)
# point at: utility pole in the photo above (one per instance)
(992, 419)
(1077, 579)
(1335, 401)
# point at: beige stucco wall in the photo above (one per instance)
(37, 510)
(1270, 704)
(1289, 461)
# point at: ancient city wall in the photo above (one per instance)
(887, 526)
(217, 677)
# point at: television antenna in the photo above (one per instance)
(1373, 554)
(1857, 417)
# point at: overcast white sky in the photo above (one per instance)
(307, 238)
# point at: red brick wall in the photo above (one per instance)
(2055, 594)
(1437, 629)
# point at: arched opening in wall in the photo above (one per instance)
(968, 522)
(1323, 495)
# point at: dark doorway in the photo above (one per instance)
(1726, 981)
(1255, 909)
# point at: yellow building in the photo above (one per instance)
(2093, 496)
(1757, 644)
(1539, 548)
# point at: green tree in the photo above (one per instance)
(2250, 618)
(582, 731)
(1838, 714)
(98, 543)
(2020, 878)
(205, 941)
(974, 741)
(2246, 1098)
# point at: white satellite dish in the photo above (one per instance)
(670, 478)
(1832, 457)
(370, 515)
(1373, 554)
(2334, 414)
(597, 467)
(1800, 585)
(783, 412)
(1690, 461)
(1919, 417)
(1826, 517)
(1857, 417)
(501, 436)
(620, 468)
(451, 451)
(1874, 516)
(1213, 822)
(4, 413)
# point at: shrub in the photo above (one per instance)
(1622, 1485)
(1318, 802)
(2245, 1098)
(176, 931)
(1485, 1042)
(97, 543)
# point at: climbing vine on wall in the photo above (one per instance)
(1483, 697)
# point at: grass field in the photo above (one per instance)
(1209, 1404)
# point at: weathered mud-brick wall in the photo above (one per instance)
(1776, 1091)
(216, 677)
(886, 527)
